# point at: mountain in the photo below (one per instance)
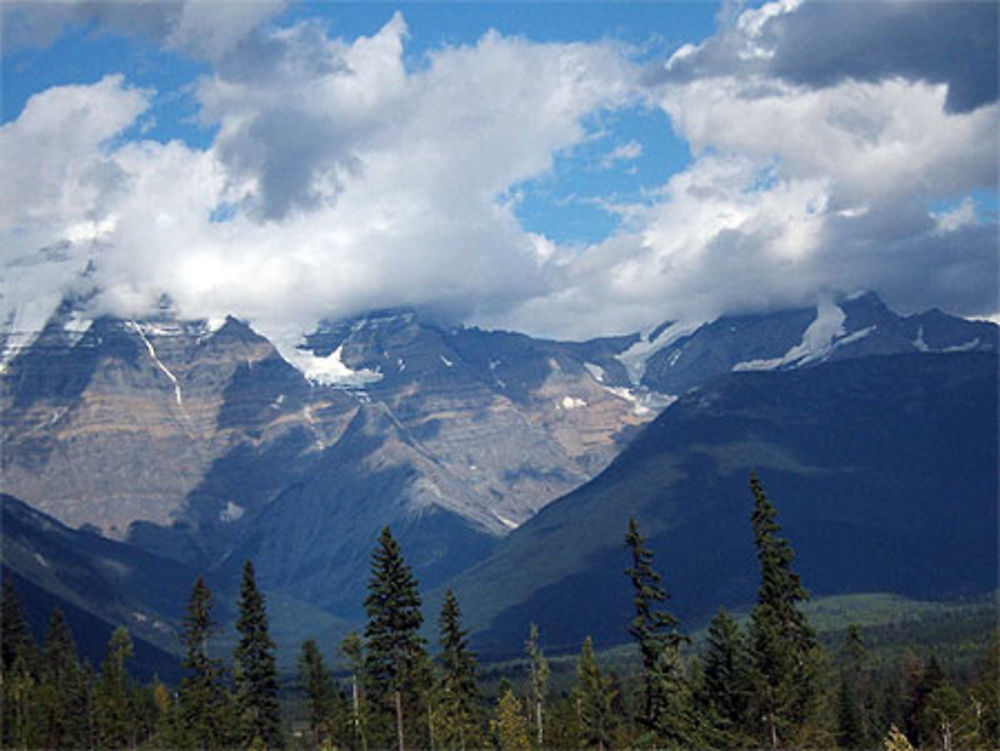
(203, 444)
(883, 468)
(682, 357)
(206, 443)
(98, 583)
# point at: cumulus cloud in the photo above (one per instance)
(205, 28)
(360, 185)
(820, 44)
(342, 179)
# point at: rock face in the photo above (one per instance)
(207, 446)
(853, 326)
(204, 444)
(125, 424)
(883, 470)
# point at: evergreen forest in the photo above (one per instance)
(762, 681)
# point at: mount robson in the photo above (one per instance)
(138, 454)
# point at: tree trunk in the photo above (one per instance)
(538, 721)
(399, 720)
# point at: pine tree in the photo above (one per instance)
(539, 683)
(509, 728)
(205, 715)
(317, 683)
(460, 699)
(64, 694)
(724, 694)
(655, 632)
(594, 696)
(853, 718)
(255, 673)
(922, 680)
(114, 713)
(984, 697)
(15, 637)
(786, 687)
(395, 648)
(20, 673)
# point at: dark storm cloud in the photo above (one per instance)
(821, 44)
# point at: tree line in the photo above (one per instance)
(764, 684)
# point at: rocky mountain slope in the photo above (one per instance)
(883, 468)
(208, 444)
(203, 443)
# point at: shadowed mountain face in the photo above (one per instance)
(205, 446)
(98, 584)
(883, 470)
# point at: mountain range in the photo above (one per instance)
(203, 445)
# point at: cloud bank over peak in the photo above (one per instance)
(344, 175)
(207, 29)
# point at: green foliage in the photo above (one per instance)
(21, 721)
(539, 676)
(114, 710)
(896, 740)
(785, 676)
(352, 647)
(723, 696)
(256, 676)
(984, 697)
(317, 683)
(510, 731)
(206, 718)
(396, 659)
(459, 706)
(595, 696)
(655, 632)
(855, 704)
(64, 693)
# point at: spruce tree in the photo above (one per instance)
(510, 731)
(20, 673)
(595, 696)
(396, 651)
(724, 693)
(853, 694)
(784, 676)
(205, 714)
(655, 632)
(984, 697)
(63, 689)
(317, 683)
(255, 674)
(460, 699)
(115, 716)
(15, 637)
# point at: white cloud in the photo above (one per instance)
(872, 139)
(348, 180)
(963, 215)
(208, 29)
(626, 152)
(351, 182)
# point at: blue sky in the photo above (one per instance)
(571, 169)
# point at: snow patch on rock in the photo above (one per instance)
(818, 340)
(635, 357)
(645, 403)
(329, 370)
(595, 370)
(232, 512)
